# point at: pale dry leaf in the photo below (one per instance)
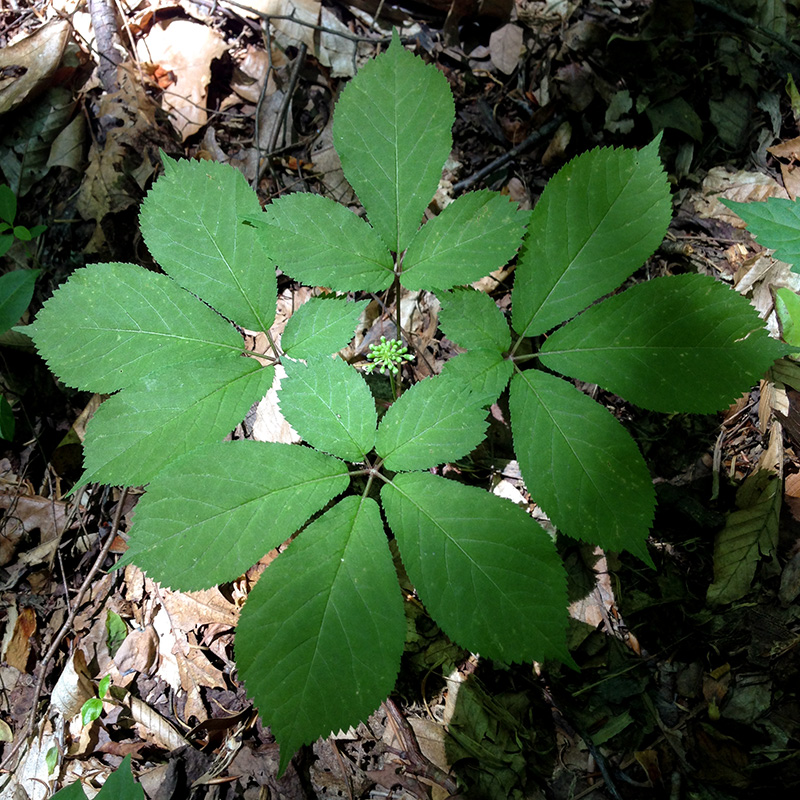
(336, 52)
(505, 47)
(287, 31)
(270, 425)
(156, 727)
(249, 74)
(742, 187)
(186, 49)
(73, 687)
(40, 55)
(788, 154)
(188, 609)
(138, 652)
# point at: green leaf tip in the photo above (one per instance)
(392, 131)
(319, 641)
(599, 218)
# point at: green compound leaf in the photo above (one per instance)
(776, 225)
(214, 512)
(682, 343)
(328, 403)
(137, 432)
(190, 223)
(322, 325)
(485, 372)
(391, 129)
(110, 325)
(321, 243)
(787, 307)
(580, 465)
(434, 421)
(16, 291)
(486, 572)
(473, 321)
(319, 641)
(596, 222)
(477, 233)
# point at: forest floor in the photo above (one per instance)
(683, 691)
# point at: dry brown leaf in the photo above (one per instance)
(23, 516)
(743, 187)
(138, 652)
(186, 49)
(18, 651)
(788, 154)
(791, 490)
(39, 54)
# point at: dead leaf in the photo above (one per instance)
(48, 516)
(743, 187)
(138, 652)
(39, 55)
(185, 49)
(18, 651)
(73, 687)
(288, 32)
(505, 47)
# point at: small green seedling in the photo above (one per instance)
(320, 638)
(93, 707)
(9, 232)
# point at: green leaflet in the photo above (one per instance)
(190, 222)
(391, 129)
(319, 641)
(787, 307)
(102, 340)
(321, 243)
(682, 343)
(775, 223)
(477, 233)
(137, 432)
(487, 573)
(214, 512)
(321, 326)
(434, 421)
(330, 406)
(473, 321)
(596, 222)
(16, 291)
(580, 465)
(485, 372)
(119, 785)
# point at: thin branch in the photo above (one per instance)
(525, 144)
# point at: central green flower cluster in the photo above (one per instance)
(388, 355)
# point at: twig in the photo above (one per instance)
(424, 766)
(65, 628)
(530, 141)
(284, 109)
(105, 31)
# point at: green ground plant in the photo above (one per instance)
(320, 638)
